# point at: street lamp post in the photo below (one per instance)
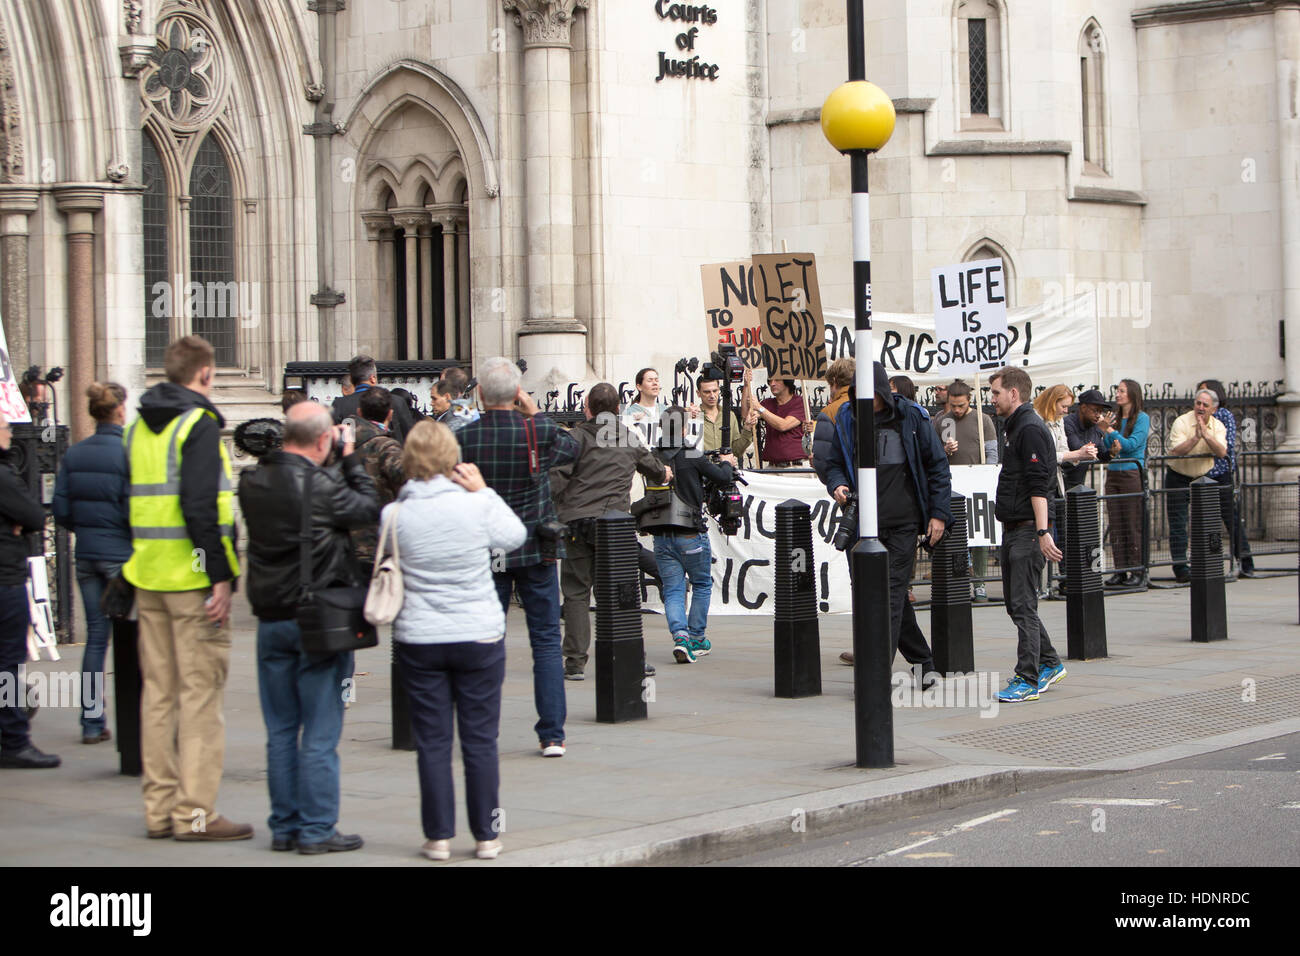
(858, 119)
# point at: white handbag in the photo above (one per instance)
(384, 597)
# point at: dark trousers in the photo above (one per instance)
(1125, 515)
(1022, 566)
(1232, 521)
(1178, 498)
(577, 574)
(93, 578)
(467, 676)
(15, 728)
(540, 593)
(904, 631)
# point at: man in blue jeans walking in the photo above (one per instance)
(303, 693)
(515, 449)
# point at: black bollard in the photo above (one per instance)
(950, 615)
(1209, 606)
(1085, 595)
(128, 685)
(621, 684)
(400, 702)
(796, 640)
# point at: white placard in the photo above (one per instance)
(978, 484)
(970, 316)
(12, 405)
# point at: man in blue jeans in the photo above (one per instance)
(515, 448)
(681, 537)
(300, 692)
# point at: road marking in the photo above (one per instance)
(1294, 805)
(1270, 757)
(959, 828)
(938, 855)
(1113, 802)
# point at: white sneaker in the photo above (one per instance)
(553, 749)
(437, 849)
(487, 849)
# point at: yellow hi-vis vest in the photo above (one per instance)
(163, 558)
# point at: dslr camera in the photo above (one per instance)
(846, 532)
(549, 535)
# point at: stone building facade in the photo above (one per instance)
(306, 179)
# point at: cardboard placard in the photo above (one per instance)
(792, 328)
(731, 316)
(970, 316)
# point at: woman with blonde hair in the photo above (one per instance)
(91, 496)
(450, 634)
(1052, 405)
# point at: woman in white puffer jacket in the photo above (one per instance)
(450, 634)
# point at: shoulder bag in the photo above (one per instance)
(331, 619)
(384, 598)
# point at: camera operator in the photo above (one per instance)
(599, 480)
(681, 538)
(515, 448)
(913, 487)
(301, 694)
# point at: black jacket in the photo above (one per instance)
(1077, 434)
(200, 468)
(91, 496)
(690, 468)
(343, 497)
(1028, 468)
(347, 406)
(600, 479)
(18, 508)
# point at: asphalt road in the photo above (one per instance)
(1237, 807)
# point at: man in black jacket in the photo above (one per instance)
(302, 692)
(1026, 485)
(20, 515)
(681, 537)
(599, 480)
(364, 374)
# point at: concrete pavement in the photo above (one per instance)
(721, 767)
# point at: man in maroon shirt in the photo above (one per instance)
(783, 414)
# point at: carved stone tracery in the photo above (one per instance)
(545, 22)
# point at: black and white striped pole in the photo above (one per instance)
(858, 119)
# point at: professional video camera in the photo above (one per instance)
(724, 501)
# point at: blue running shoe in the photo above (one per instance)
(682, 650)
(1017, 690)
(701, 646)
(1047, 676)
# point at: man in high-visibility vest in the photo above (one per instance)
(183, 566)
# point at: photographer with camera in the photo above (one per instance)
(913, 487)
(599, 480)
(674, 515)
(515, 448)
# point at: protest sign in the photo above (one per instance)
(1053, 341)
(978, 484)
(12, 405)
(730, 311)
(970, 316)
(793, 330)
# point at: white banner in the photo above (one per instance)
(1055, 342)
(743, 566)
(12, 405)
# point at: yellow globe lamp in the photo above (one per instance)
(858, 115)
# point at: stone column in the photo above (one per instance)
(444, 214)
(16, 204)
(427, 239)
(379, 230)
(1286, 20)
(411, 221)
(463, 350)
(551, 338)
(79, 204)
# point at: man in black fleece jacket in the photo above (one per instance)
(21, 515)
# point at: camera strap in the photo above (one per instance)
(530, 434)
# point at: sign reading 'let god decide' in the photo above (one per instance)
(683, 14)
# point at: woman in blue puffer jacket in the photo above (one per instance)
(91, 496)
(450, 634)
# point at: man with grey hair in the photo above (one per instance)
(1201, 438)
(303, 695)
(515, 448)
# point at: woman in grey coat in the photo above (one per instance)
(450, 634)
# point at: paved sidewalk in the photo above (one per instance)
(720, 761)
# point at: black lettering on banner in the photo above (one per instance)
(929, 357)
(758, 522)
(982, 521)
(720, 317)
(726, 581)
(741, 597)
(825, 574)
(892, 341)
(745, 533)
(821, 511)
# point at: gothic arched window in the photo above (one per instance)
(1092, 88)
(158, 302)
(980, 50)
(212, 252)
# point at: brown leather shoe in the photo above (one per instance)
(98, 738)
(218, 829)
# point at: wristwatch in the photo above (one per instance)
(1041, 532)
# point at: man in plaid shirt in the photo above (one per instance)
(517, 470)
